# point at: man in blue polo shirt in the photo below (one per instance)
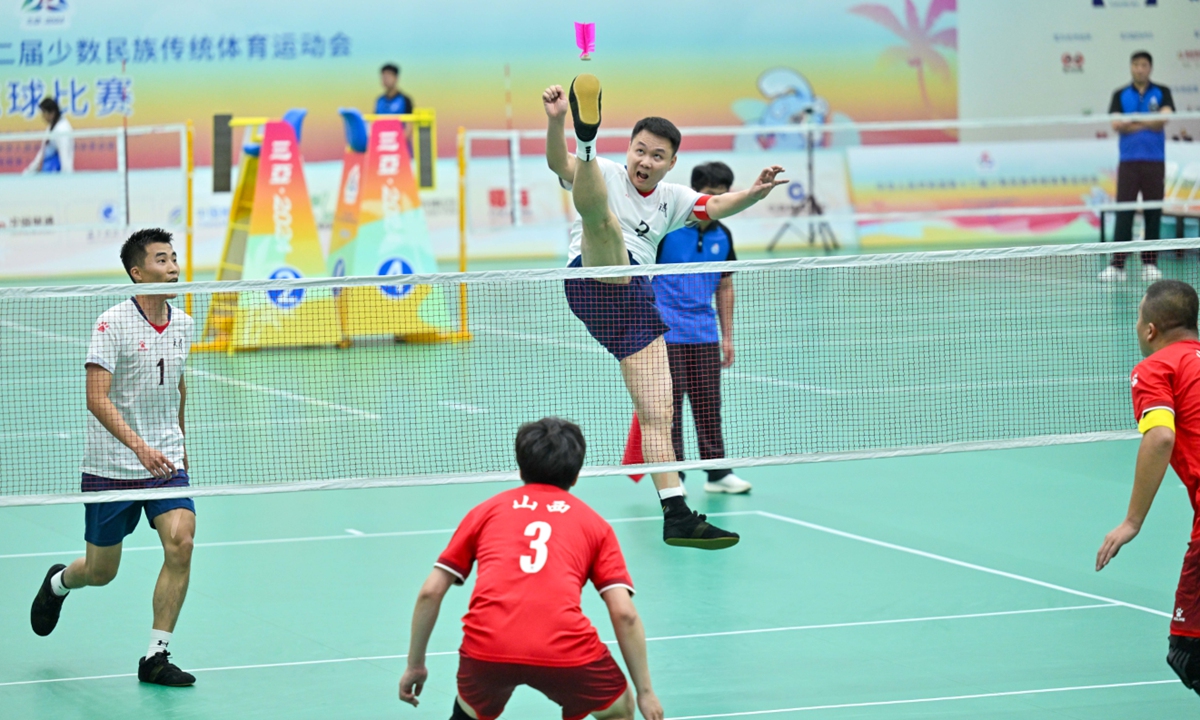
(694, 347)
(392, 101)
(1142, 166)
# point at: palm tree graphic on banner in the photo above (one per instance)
(920, 48)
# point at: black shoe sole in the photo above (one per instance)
(585, 106)
(163, 684)
(45, 591)
(702, 543)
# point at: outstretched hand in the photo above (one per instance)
(766, 182)
(554, 99)
(1113, 542)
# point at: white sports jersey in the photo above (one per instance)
(645, 221)
(146, 366)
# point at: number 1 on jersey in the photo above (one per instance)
(162, 370)
(537, 544)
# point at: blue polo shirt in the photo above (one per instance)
(685, 302)
(1143, 145)
(399, 105)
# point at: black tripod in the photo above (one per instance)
(809, 206)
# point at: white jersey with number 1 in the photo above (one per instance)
(146, 363)
(645, 220)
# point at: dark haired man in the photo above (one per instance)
(1166, 404)
(623, 214)
(695, 350)
(392, 101)
(537, 545)
(135, 399)
(1143, 161)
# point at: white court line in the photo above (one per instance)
(283, 393)
(960, 563)
(320, 538)
(914, 701)
(606, 642)
(464, 407)
(356, 533)
(216, 377)
(867, 623)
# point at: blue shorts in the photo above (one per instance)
(623, 318)
(109, 523)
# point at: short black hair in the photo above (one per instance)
(1142, 54)
(550, 451)
(133, 252)
(711, 174)
(1170, 304)
(50, 105)
(393, 68)
(660, 127)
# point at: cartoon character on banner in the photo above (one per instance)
(790, 98)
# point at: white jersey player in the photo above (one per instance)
(624, 212)
(135, 398)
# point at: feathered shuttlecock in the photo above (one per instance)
(585, 39)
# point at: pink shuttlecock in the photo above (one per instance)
(585, 39)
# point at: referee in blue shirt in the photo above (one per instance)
(392, 101)
(1143, 161)
(694, 347)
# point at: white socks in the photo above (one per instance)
(56, 583)
(158, 642)
(670, 492)
(585, 151)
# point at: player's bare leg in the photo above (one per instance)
(603, 244)
(647, 376)
(97, 567)
(177, 530)
(622, 709)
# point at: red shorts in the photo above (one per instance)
(581, 691)
(1185, 620)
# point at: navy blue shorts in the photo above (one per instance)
(109, 523)
(623, 318)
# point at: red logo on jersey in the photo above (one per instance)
(141, 344)
(102, 327)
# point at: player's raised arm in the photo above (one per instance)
(99, 382)
(631, 637)
(1154, 454)
(425, 615)
(722, 206)
(554, 100)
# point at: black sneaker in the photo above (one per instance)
(585, 106)
(46, 606)
(693, 530)
(159, 670)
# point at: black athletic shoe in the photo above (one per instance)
(159, 670)
(693, 530)
(585, 106)
(46, 606)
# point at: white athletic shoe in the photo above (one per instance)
(731, 484)
(1112, 274)
(1151, 273)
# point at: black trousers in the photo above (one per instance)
(696, 373)
(1134, 176)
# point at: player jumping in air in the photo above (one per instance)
(537, 546)
(135, 399)
(1166, 403)
(624, 212)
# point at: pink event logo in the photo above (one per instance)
(44, 14)
(1189, 58)
(1072, 63)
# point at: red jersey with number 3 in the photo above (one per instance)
(1170, 380)
(537, 546)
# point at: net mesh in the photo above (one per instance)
(833, 357)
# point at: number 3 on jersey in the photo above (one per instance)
(537, 544)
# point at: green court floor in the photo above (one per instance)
(952, 586)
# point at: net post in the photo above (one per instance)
(189, 209)
(123, 171)
(462, 227)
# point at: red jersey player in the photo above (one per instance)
(537, 546)
(1166, 403)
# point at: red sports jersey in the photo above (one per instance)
(1170, 380)
(537, 546)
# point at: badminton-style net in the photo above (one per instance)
(834, 358)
